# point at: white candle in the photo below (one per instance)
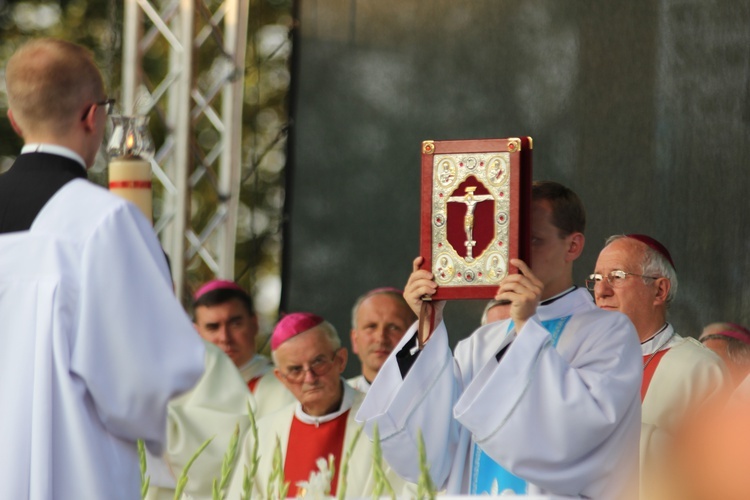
(130, 178)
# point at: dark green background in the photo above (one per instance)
(641, 107)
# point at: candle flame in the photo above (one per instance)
(129, 141)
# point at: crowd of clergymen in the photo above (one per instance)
(300, 398)
(556, 394)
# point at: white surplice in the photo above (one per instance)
(270, 394)
(360, 383)
(565, 419)
(686, 376)
(94, 345)
(213, 409)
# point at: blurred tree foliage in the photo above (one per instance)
(97, 24)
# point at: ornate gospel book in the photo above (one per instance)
(475, 213)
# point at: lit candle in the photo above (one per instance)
(129, 171)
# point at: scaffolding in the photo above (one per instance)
(180, 98)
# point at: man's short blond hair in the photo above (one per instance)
(49, 83)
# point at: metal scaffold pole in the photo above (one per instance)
(177, 35)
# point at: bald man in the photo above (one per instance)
(380, 318)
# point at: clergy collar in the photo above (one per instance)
(347, 400)
(558, 296)
(658, 340)
(569, 302)
(54, 149)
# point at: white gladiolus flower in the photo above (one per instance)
(318, 486)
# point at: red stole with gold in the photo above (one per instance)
(309, 442)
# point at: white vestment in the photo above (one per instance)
(360, 383)
(360, 478)
(687, 375)
(561, 409)
(94, 345)
(215, 407)
(270, 394)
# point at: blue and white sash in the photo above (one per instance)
(487, 476)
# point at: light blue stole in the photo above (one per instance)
(487, 476)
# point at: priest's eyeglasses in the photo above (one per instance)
(108, 105)
(614, 278)
(317, 367)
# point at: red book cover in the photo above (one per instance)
(475, 204)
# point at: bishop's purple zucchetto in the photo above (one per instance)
(292, 325)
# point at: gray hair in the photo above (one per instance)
(654, 264)
(330, 332)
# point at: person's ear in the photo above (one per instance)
(353, 337)
(279, 376)
(14, 124)
(343, 356)
(663, 285)
(576, 242)
(89, 119)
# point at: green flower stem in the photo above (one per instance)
(341, 492)
(145, 480)
(425, 486)
(182, 481)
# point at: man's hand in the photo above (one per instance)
(524, 290)
(420, 284)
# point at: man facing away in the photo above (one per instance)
(544, 403)
(94, 342)
(635, 275)
(380, 318)
(223, 314)
(309, 361)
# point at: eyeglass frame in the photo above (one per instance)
(327, 364)
(109, 102)
(595, 278)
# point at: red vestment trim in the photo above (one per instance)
(130, 184)
(253, 383)
(307, 443)
(649, 367)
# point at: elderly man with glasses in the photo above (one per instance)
(635, 275)
(309, 361)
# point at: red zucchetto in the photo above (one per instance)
(653, 244)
